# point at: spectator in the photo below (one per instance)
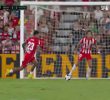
(5, 34)
(86, 14)
(29, 25)
(105, 21)
(76, 25)
(47, 15)
(1, 26)
(8, 23)
(10, 29)
(43, 27)
(1, 14)
(77, 31)
(14, 19)
(93, 28)
(6, 15)
(98, 14)
(28, 11)
(16, 34)
(9, 2)
(6, 45)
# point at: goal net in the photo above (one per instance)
(62, 25)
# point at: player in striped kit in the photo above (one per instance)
(85, 45)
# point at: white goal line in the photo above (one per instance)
(63, 3)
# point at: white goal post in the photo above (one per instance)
(37, 3)
(63, 3)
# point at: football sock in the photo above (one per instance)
(73, 68)
(88, 73)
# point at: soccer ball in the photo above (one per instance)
(67, 77)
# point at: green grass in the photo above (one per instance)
(13, 89)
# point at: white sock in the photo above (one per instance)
(88, 73)
(73, 68)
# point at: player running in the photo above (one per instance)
(30, 46)
(85, 45)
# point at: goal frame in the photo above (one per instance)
(25, 3)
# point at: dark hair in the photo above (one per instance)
(89, 31)
(35, 32)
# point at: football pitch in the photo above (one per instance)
(15, 89)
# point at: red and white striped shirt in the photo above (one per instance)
(86, 44)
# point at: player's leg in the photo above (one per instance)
(89, 61)
(30, 75)
(68, 76)
(35, 64)
(13, 71)
(88, 73)
(73, 68)
(80, 57)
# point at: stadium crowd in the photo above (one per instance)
(66, 0)
(17, 2)
(9, 31)
(62, 27)
(9, 2)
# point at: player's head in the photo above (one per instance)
(35, 33)
(89, 33)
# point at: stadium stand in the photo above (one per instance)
(63, 30)
(67, 0)
(9, 2)
(9, 31)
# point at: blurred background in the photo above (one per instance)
(63, 26)
(9, 31)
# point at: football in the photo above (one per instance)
(67, 77)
